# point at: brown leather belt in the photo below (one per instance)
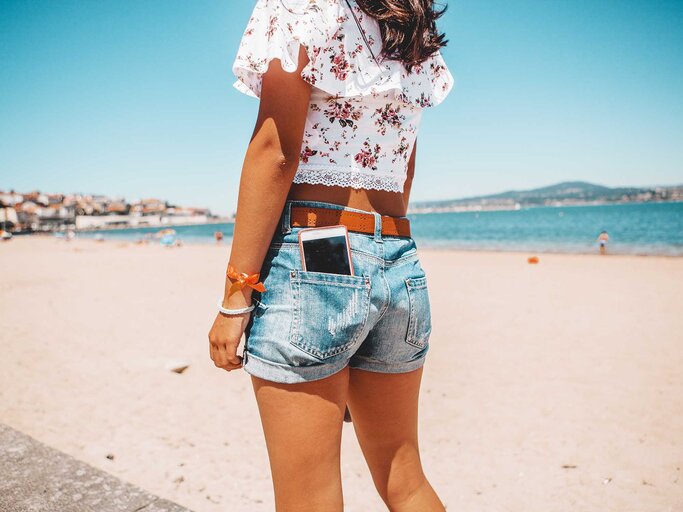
(311, 216)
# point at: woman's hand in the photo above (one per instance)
(224, 338)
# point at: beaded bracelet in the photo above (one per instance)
(227, 311)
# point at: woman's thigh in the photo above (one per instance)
(302, 424)
(384, 410)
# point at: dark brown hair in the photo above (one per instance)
(408, 28)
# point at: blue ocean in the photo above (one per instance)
(635, 228)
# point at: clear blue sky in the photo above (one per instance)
(135, 98)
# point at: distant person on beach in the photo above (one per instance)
(603, 238)
(218, 235)
(334, 146)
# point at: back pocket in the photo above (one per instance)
(329, 311)
(420, 318)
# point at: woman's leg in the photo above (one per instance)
(384, 407)
(302, 424)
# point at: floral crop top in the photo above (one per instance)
(364, 114)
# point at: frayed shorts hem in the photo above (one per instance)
(284, 374)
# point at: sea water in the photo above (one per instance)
(633, 228)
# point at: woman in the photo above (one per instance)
(603, 238)
(342, 85)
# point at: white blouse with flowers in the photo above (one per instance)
(363, 115)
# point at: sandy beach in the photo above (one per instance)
(548, 387)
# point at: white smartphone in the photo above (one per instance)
(326, 249)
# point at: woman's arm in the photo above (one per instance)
(268, 170)
(269, 166)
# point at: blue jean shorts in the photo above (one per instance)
(309, 325)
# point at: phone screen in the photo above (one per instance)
(327, 255)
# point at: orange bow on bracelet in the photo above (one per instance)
(243, 279)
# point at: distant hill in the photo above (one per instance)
(565, 193)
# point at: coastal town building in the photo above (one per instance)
(39, 211)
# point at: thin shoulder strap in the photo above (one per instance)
(362, 32)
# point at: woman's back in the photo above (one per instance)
(364, 112)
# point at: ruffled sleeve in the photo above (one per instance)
(275, 30)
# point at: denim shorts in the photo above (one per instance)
(309, 325)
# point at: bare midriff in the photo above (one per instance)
(380, 201)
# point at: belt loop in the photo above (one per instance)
(378, 227)
(286, 227)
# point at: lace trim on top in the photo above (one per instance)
(347, 178)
